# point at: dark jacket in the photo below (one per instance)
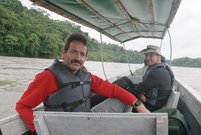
(157, 85)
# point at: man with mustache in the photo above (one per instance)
(67, 86)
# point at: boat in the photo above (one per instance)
(122, 21)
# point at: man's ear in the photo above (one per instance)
(62, 54)
(86, 58)
(159, 58)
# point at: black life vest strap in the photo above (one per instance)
(69, 107)
(75, 84)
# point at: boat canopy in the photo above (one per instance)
(121, 20)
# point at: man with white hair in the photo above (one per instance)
(158, 79)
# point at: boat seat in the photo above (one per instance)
(173, 99)
(82, 123)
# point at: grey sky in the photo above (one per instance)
(185, 32)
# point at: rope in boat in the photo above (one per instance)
(102, 60)
(129, 68)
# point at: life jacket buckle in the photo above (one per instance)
(81, 82)
(66, 107)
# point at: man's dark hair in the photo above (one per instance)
(74, 37)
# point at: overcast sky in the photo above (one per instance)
(185, 32)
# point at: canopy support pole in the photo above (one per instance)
(161, 43)
(102, 60)
(170, 46)
(129, 68)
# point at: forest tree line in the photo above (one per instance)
(31, 33)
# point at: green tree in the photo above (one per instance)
(33, 45)
(11, 42)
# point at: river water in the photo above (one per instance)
(16, 73)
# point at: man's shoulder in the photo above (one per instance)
(84, 69)
(157, 70)
(158, 67)
(160, 73)
(45, 74)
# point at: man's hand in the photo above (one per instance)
(143, 98)
(141, 108)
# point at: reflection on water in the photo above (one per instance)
(17, 73)
(3, 83)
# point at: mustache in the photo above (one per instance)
(76, 61)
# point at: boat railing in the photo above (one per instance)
(190, 98)
(12, 125)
